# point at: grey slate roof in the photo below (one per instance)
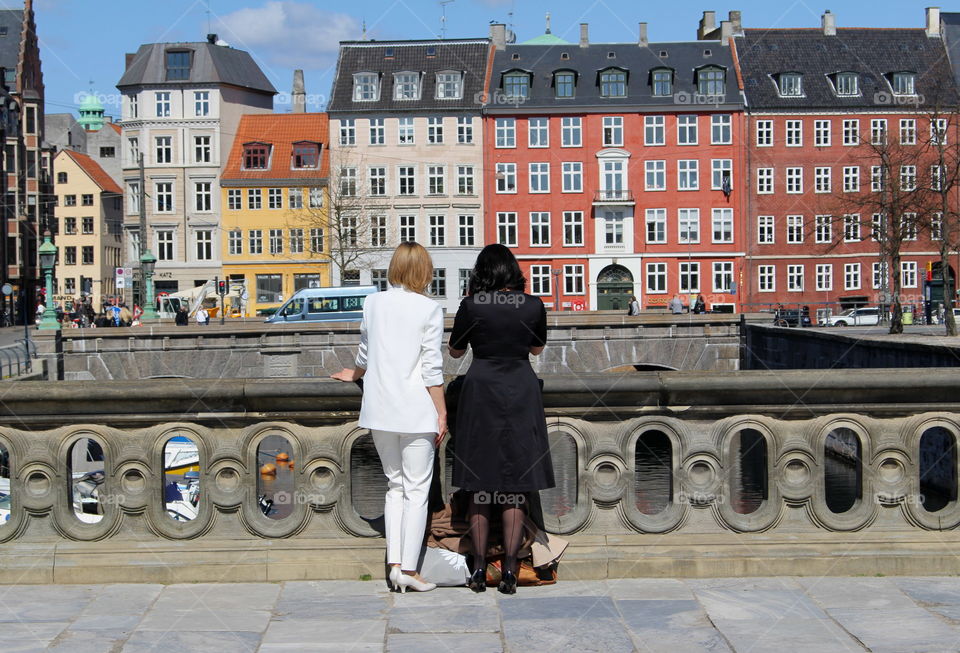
(951, 36)
(684, 58)
(873, 53)
(466, 55)
(12, 19)
(215, 64)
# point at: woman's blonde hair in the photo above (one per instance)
(411, 267)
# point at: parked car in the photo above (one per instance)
(791, 317)
(855, 317)
(323, 305)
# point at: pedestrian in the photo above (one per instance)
(676, 305)
(40, 310)
(699, 306)
(502, 451)
(182, 318)
(202, 317)
(403, 405)
(126, 317)
(634, 307)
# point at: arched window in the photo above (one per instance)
(516, 84)
(711, 81)
(613, 82)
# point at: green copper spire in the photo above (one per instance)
(91, 113)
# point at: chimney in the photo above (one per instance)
(829, 22)
(736, 22)
(707, 25)
(644, 41)
(584, 35)
(128, 59)
(212, 39)
(933, 22)
(498, 35)
(298, 99)
(726, 31)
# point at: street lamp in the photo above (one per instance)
(48, 257)
(147, 263)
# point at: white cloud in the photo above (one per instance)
(289, 33)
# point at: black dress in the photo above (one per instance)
(500, 441)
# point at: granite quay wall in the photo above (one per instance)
(579, 343)
(672, 474)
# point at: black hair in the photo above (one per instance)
(496, 268)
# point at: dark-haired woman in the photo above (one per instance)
(501, 449)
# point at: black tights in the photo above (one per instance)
(512, 517)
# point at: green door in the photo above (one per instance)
(614, 288)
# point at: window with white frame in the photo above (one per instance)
(438, 230)
(765, 230)
(936, 178)
(540, 229)
(134, 106)
(507, 229)
(406, 86)
(908, 178)
(465, 129)
(294, 198)
(296, 240)
(936, 226)
(407, 180)
(378, 278)
(164, 149)
(904, 83)
(656, 221)
(573, 279)
(878, 131)
(877, 177)
(378, 130)
(878, 227)
(235, 242)
(851, 276)
(822, 133)
(722, 220)
(766, 278)
(908, 131)
(201, 103)
(538, 132)
(654, 130)
(203, 238)
(613, 228)
(688, 174)
(133, 149)
(908, 226)
(506, 177)
(656, 278)
(822, 180)
(163, 197)
(449, 85)
(348, 182)
(795, 180)
(722, 276)
(794, 133)
(438, 287)
(794, 229)
(436, 180)
(234, 199)
(687, 130)
(540, 280)
(202, 196)
(202, 151)
(316, 197)
(847, 84)
(824, 275)
(165, 245)
(378, 232)
(275, 241)
(465, 274)
(435, 130)
(466, 230)
(851, 132)
(505, 132)
(721, 130)
(316, 240)
(162, 103)
(790, 84)
(465, 180)
(405, 131)
(366, 87)
(539, 177)
(689, 277)
(613, 131)
(570, 132)
(133, 198)
(348, 131)
(688, 225)
(908, 274)
(764, 133)
(880, 275)
(764, 181)
(377, 178)
(823, 228)
(572, 176)
(721, 171)
(408, 228)
(655, 175)
(573, 228)
(275, 198)
(851, 227)
(938, 131)
(851, 179)
(794, 278)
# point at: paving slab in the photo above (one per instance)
(898, 631)
(307, 632)
(670, 626)
(759, 605)
(444, 643)
(874, 593)
(195, 642)
(88, 641)
(444, 619)
(930, 591)
(655, 589)
(563, 623)
(202, 618)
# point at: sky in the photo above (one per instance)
(82, 43)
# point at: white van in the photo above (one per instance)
(344, 303)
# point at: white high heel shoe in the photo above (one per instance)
(403, 581)
(394, 573)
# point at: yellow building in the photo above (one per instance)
(274, 204)
(89, 220)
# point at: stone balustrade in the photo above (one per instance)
(667, 474)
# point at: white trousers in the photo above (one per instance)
(407, 460)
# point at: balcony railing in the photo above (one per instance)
(613, 195)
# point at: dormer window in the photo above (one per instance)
(431, 50)
(613, 83)
(662, 82)
(406, 86)
(306, 155)
(178, 65)
(711, 81)
(564, 83)
(449, 85)
(847, 84)
(904, 83)
(388, 53)
(256, 156)
(516, 85)
(366, 87)
(790, 84)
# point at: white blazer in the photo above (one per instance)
(400, 339)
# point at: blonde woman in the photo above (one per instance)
(403, 406)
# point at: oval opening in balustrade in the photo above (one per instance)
(5, 495)
(276, 494)
(181, 478)
(938, 469)
(561, 499)
(748, 474)
(842, 470)
(368, 485)
(653, 475)
(85, 465)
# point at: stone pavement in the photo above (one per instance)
(675, 616)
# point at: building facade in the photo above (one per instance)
(275, 208)
(182, 104)
(406, 158)
(613, 169)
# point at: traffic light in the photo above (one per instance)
(221, 287)
(929, 270)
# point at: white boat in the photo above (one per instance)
(180, 457)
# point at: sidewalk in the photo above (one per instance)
(673, 616)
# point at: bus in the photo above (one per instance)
(344, 303)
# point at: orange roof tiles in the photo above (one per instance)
(281, 131)
(96, 173)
